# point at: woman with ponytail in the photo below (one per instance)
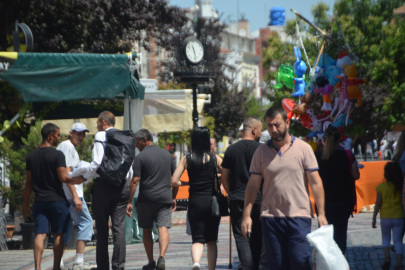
(201, 165)
(338, 170)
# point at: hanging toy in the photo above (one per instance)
(300, 68)
(310, 121)
(331, 72)
(285, 76)
(294, 111)
(318, 132)
(325, 90)
(353, 88)
(344, 101)
(344, 60)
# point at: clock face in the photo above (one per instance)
(194, 51)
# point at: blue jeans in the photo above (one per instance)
(286, 244)
(83, 220)
(394, 224)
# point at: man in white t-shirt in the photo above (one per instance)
(74, 193)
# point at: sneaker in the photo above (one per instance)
(149, 266)
(84, 266)
(196, 266)
(161, 264)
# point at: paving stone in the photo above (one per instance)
(364, 250)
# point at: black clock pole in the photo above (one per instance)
(195, 112)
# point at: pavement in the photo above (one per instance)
(364, 249)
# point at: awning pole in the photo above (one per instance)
(12, 121)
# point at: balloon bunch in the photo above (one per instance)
(331, 74)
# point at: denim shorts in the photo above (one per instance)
(56, 214)
(83, 220)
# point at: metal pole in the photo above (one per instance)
(15, 118)
(195, 112)
(230, 243)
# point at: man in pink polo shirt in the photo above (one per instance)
(286, 165)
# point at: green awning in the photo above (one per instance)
(50, 77)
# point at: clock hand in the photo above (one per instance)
(194, 52)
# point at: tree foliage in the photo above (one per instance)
(98, 26)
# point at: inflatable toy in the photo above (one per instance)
(331, 73)
(300, 68)
(277, 16)
(325, 90)
(344, 60)
(353, 89)
(344, 101)
(285, 76)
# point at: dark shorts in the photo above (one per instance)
(287, 247)
(56, 214)
(160, 213)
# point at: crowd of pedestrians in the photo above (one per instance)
(267, 186)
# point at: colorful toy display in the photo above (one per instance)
(326, 76)
(300, 68)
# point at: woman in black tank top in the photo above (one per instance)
(200, 165)
(338, 171)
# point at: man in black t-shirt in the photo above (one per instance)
(235, 175)
(46, 170)
(153, 168)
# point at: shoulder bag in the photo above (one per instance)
(219, 203)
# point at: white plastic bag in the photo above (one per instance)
(326, 254)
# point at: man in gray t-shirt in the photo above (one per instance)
(153, 169)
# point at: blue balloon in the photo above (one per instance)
(331, 72)
(277, 16)
(328, 61)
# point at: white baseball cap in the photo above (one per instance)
(79, 127)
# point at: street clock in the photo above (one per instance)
(194, 50)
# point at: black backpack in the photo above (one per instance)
(119, 154)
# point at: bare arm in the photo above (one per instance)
(377, 208)
(225, 179)
(252, 188)
(219, 164)
(355, 171)
(316, 185)
(174, 194)
(76, 200)
(132, 188)
(64, 178)
(27, 193)
(178, 172)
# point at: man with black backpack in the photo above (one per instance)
(113, 154)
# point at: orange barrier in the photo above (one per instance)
(183, 190)
(370, 177)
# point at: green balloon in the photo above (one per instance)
(285, 76)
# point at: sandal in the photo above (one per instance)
(387, 263)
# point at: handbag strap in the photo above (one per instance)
(216, 179)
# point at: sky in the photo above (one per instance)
(257, 11)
